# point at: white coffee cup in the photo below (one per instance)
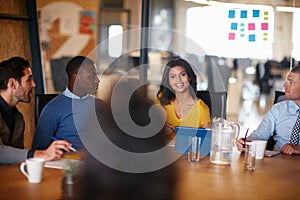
(260, 148)
(34, 169)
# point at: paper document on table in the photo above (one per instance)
(61, 163)
(171, 143)
(271, 153)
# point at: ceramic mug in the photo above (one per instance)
(34, 169)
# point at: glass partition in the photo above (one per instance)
(207, 35)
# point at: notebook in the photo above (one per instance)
(61, 163)
(182, 134)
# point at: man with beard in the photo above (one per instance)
(16, 85)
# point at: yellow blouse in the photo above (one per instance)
(196, 117)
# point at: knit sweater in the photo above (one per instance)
(62, 118)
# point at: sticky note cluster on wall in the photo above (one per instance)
(248, 25)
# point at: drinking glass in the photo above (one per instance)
(194, 148)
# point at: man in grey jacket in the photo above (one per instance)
(16, 85)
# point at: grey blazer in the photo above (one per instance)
(11, 155)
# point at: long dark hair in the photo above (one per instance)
(165, 93)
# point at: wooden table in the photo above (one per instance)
(14, 184)
(274, 178)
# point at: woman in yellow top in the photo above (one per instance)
(177, 94)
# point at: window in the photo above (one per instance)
(244, 31)
(115, 42)
(296, 33)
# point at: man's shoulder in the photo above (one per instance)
(59, 100)
(287, 105)
(61, 97)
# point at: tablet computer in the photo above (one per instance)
(182, 135)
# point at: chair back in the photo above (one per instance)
(58, 71)
(216, 101)
(218, 75)
(279, 96)
(40, 101)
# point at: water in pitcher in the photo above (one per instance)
(221, 157)
(223, 137)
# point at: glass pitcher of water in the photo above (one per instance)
(224, 134)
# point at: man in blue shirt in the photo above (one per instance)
(281, 118)
(63, 116)
(16, 85)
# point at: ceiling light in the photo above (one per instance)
(200, 1)
(287, 9)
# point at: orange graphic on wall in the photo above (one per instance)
(87, 22)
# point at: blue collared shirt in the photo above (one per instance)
(280, 120)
